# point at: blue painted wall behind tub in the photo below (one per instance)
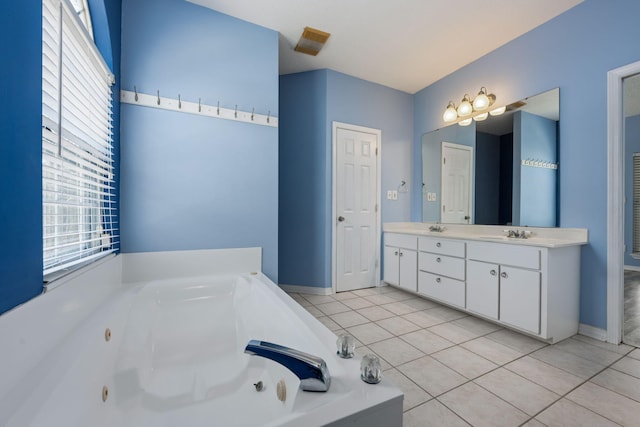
(21, 140)
(20, 152)
(305, 213)
(192, 182)
(567, 52)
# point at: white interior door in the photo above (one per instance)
(457, 162)
(356, 190)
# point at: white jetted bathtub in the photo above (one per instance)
(156, 340)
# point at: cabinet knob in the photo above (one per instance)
(437, 280)
(493, 272)
(503, 275)
(401, 254)
(438, 259)
(438, 244)
(395, 253)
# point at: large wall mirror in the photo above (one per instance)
(500, 171)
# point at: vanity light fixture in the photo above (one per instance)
(450, 113)
(498, 111)
(477, 109)
(481, 102)
(465, 108)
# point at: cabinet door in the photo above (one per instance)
(408, 269)
(520, 298)
(483, 288)
(391, 265)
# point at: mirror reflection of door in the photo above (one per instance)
(457, 167)
(631, 94)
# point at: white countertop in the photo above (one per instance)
(540, 236)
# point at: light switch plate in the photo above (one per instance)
(389, 195)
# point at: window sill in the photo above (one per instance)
(57, 278)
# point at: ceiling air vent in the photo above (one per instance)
(311, 41)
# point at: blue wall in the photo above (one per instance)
(632, 145)
(21, 140)
(192, 182)
(305, 213)
(574, 52)
(20, 152)
(534, 193)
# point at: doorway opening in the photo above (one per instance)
(618, 111)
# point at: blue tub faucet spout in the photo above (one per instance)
(312, 370)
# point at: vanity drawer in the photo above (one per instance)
(445, 289)
(442, 265)
(442, 246)
(513, 255)
(401, 240)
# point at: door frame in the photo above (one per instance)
(472, 162)
(615, 199)
(334, 216)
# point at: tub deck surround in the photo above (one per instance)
(541, 236)
(175, 353)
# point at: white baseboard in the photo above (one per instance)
(631, 268)
(309, 290)
(592, 332)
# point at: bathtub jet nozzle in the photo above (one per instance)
(312, 370)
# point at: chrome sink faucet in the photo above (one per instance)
(437, 228)
(517, 234)
(312, 371)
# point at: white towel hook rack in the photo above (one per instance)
(156, 101)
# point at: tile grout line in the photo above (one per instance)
(454, 344)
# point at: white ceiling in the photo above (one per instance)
(403, 44)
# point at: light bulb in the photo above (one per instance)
(450, 114)
(482, 100)
(481, 117)
(465, 122)
(465, 108)
(498, 111)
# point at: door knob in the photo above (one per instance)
(340, 218)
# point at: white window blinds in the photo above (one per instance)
(636, 204)
(79, 205)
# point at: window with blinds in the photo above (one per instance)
(79, 204)
(636, 204)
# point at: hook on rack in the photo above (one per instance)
(252, 110)
(218, 107)
(199, 105)
(135, 89)
(268, 116)
(235, 113)
(158, 97)
(179, 102)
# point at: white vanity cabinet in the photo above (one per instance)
(401, 260)
(534, 289)
(504, 284)
(442, 272)
(531, 286)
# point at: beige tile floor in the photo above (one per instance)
(458, 370)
